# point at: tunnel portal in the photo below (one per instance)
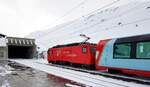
(21, 48)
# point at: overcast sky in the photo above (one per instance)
(21, 17)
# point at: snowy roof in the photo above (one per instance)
(74, 44)
(2, 35)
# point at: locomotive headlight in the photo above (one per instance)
(97, 53)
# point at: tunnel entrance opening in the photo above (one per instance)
(25, 52)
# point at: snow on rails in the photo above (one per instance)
(78, 76)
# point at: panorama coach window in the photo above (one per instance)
(122, 50)
(143, 50)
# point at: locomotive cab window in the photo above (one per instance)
(143, 50)
(93, 50)
(84, 50)
(50, 52)
(122, 50)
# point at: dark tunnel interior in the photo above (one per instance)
(20, 52)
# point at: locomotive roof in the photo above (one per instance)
(74, 44)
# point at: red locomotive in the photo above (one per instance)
(76, 54)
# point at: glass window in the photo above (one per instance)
(122, 50)
(143, 50)
(93, 50)
(84, 50)
(49, 52)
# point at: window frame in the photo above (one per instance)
(83, 50)
(133, 54)
(131, 48)
(93, 50)
(136, 49)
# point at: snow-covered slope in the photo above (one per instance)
(117, 21)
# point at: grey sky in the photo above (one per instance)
(21, 17)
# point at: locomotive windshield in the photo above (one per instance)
(93, 50)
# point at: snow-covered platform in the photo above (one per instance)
(17, 75)
(77, 76)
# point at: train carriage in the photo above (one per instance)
(130, 55)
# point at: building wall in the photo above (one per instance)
(3, 53)
(3, 48)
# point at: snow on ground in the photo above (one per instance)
(70, 85)
(80, 77)
(4, 71)
(3, 42)
(42, 61)
(5, 84)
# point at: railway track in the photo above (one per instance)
(136, 79)
(96, 81)
(79, 76)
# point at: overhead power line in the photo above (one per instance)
(134, 9)
(68, 12)
(131, 10)
(93, 11)
(72, 9)
(82, 3)
(105, 6)
(93, 33)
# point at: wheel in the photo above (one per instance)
(49, 61)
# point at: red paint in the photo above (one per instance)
(100, 48)
(136, 72)
(101, 68)
(126, 71)
(73, 54)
